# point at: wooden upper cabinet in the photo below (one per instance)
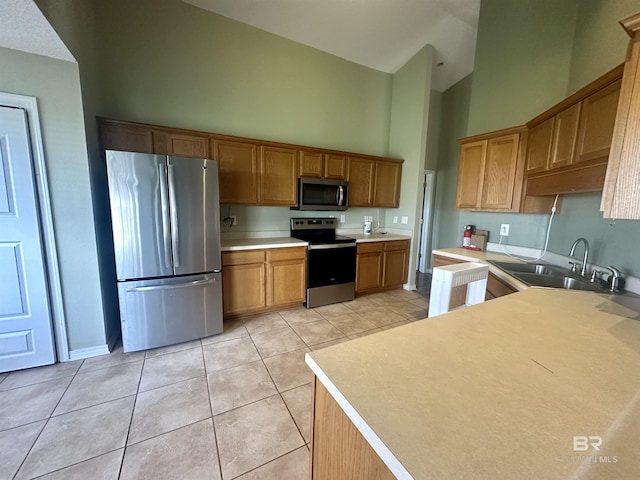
(564, 136)
(500, 172)
(238, 171)
(621, 195)
(597, 120)
(387, 184)
(539, 146)
(470, 174)
(311, 163)
(128, 138)
(187, 145)
(335, 166)
(360, 174)
(278, 176)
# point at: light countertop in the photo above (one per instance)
(460, 253)
(228, 245)
(377, 237)
(500, 389)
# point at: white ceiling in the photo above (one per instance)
(24, 27)
(381, 34)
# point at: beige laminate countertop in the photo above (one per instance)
(460, 253)
(500, 389)
(228, 245)
(377, 237)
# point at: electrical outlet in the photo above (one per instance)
(233, 220)
(343, 218)
(405, 220)
(395, 219)
(504, 230)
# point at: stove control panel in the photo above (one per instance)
(313, 223)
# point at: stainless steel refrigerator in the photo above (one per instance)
(166, 231)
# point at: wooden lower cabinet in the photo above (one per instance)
(286, 280)
(338, 449)
(495, 287)
(381, 265)
(262, 279)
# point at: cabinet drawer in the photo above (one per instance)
(290, 253)
(243, 257)
(369, 247)
(396, 245)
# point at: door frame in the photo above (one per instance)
(30, 105)
(428, 191)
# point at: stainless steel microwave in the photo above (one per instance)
(320, 194)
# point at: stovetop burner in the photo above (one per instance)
(317, 231)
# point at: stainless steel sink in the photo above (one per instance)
(557, 281)
(537, 268)
(543, 275)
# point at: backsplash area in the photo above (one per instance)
(610, 242)
(274, 221)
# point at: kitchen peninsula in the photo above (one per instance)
(529, 385)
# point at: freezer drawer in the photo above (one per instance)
(155, 313)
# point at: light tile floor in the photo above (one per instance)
(235, 405)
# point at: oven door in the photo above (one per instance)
(331, 264)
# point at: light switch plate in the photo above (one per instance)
(405, 220)
(395, 219)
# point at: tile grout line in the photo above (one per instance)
(48, 419)
(133, 410)
(78, 463)
(213, 423)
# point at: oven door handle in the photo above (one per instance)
(331, 246)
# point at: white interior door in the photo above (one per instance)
(26, 336)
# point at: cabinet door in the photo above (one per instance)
(278, 176)
(500, 172)
(311, 164)
(238, 176)
(396, 256)
(564, 136)
(335, 166)
(539, 146)
(360, 174)
(187, 145)
(596, 124)
(126, 138)
(387, 184)
(286, 282)
(243, 288)
(472, 159)
(368, 271)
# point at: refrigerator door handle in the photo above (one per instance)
(174, 216)
(197, 283)
(166, 229)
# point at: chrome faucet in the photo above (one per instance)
(583, 268)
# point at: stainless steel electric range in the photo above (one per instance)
(331, 261)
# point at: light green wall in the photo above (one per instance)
(76, 24)
(578, 41)
(408, 139)
(522, 63)
(600, 43)
(170, 63)
(56, 85)
(454, 119)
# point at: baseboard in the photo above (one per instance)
(409, 286)
(82, 353)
